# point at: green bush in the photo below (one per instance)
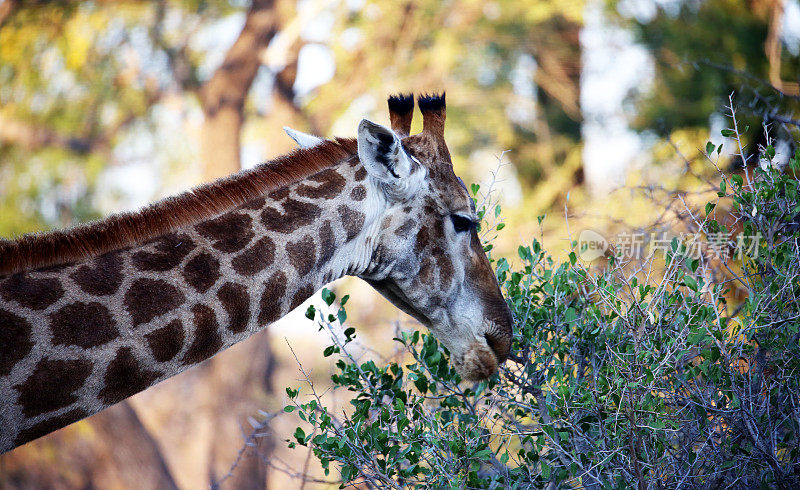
(643, 374)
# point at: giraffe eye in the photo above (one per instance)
(461, 223)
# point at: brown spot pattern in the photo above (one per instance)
(168, 253)
(256, 258)
(15, 340)
(255, 204)
(352, 221)
(207, 341)
(426, 272)
(302, 254)
(327, 245)
(330, 182)
(301, 295)
(166, 342)
(382, 254)
(295, 215)
(83, 324)
(149, 298)
(230, 232)
(47, 426)
(423, 239)
(51, 386)
(271, 298)
(359, 193)
(236, 303)
(279, 195)
(102, 278)
(201, 272)
(55, 269)
(406, 228)
(438, 253)
(446, 271)
(361, 174)
(125, 377)
(36, 294)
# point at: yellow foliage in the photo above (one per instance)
(542, 10)
(78, 39)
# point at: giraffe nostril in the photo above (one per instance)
(500, 345)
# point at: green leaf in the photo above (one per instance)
(328, 296)
(709, 148)
(482, 454)
(727, 133)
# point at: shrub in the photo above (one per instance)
(643, 373)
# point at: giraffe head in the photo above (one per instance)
(426, 256)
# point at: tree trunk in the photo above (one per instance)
(6, 9)
(239, 391)
(136, 455)
(223, 96)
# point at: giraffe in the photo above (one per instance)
(92, 315)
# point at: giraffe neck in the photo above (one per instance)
(78, 338)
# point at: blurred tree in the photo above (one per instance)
(703, 52)
(134, 452)
(511, 71)
(223, 95)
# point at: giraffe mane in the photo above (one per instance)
(53, 248)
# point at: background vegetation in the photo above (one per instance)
(603, 110)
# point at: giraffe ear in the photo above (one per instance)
(382, 154)
(303, 140)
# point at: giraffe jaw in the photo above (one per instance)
(397, 298)
(478, 361)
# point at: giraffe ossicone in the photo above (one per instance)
(304, 140)
(94, 314)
